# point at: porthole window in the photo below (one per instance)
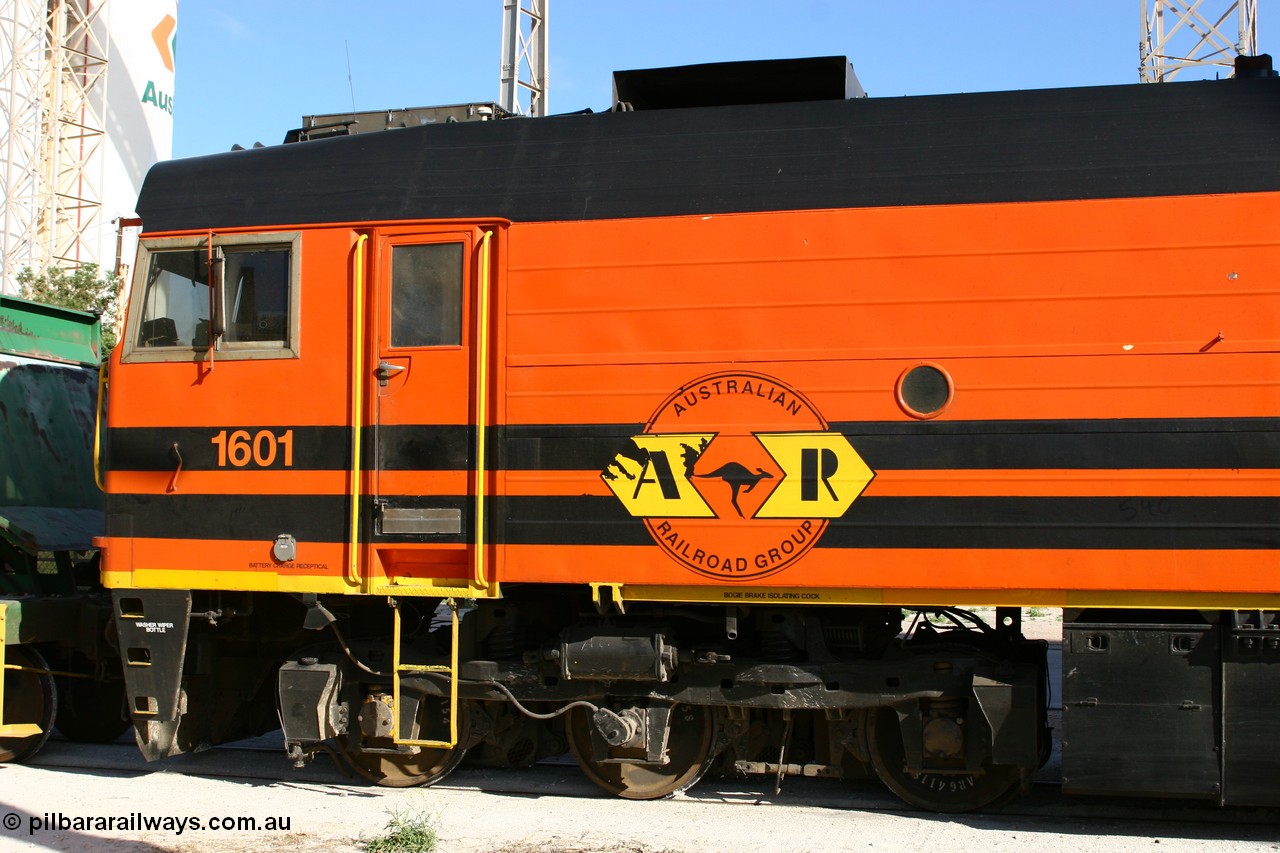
(924, 391)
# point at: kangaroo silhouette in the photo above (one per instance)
(737, 476)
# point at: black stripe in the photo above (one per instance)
(324, 518)
(1142, 523)
(1097, 142)
(418, 447)
(317, 448)
(567, 521)
(561, 448)
(308, 518)
(423, 447)
(1074, 444)
(933, 445)
(926, 445)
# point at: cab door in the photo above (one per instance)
(423, 402)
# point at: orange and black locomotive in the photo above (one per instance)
(685, 436)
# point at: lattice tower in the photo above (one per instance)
(1178, 35)
(524, 57)
(52, 106)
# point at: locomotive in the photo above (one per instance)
(686, 436)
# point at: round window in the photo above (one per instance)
(924, 391)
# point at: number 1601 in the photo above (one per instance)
(239, 448)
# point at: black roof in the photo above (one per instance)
(1034, 145)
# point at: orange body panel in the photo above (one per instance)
(808, 292)
(1039, 313)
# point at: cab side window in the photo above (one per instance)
(256, 284)
(176, 301)
(246, 301)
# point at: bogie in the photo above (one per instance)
(649, 701)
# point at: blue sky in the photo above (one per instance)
(248, 70)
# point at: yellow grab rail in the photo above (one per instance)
(357, 401)
(482, 394)
(97, 425)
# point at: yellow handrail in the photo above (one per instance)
(97, 426)
(482, 393)
(357, 400)
(397, 669)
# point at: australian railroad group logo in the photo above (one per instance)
(737, 476)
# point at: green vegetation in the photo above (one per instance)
(409, 830)
(82, 288)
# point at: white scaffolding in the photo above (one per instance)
(524, 57)
(53, 64)
(1178, 35)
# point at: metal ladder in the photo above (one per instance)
(399, 669)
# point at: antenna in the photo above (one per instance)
(350, 83)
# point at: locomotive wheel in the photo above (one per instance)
(688, 756)
(403, 769)
(90, 711)
(939, 792)
(29, 697)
